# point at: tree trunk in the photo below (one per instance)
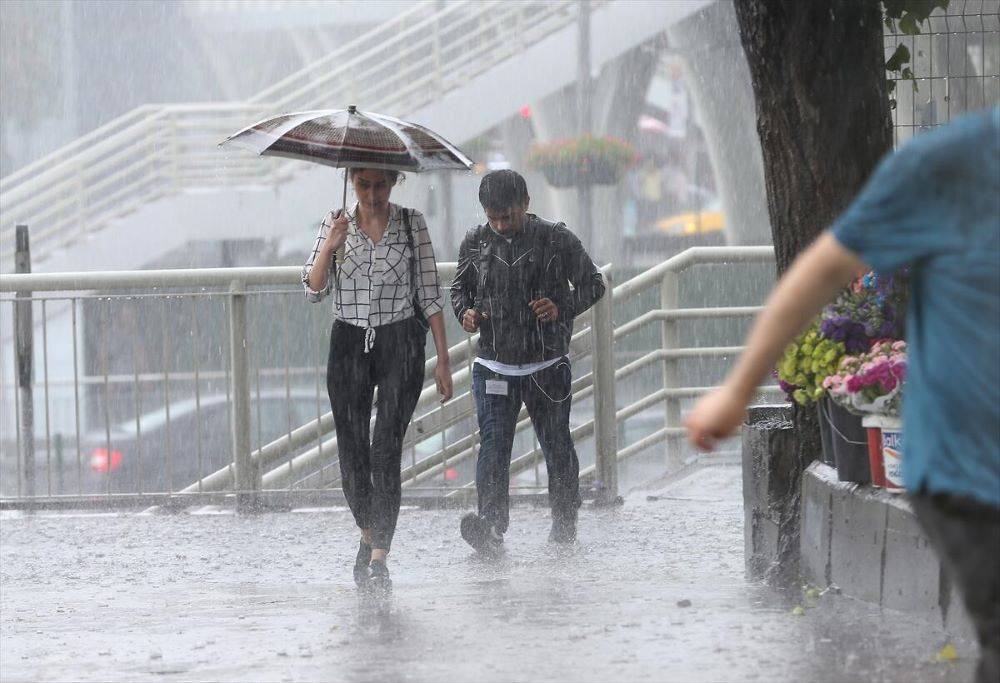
(822, 111)
(818, 74)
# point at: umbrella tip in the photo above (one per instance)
(352, 109)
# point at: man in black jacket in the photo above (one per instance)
(513, 287)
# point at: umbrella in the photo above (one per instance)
(348, 138)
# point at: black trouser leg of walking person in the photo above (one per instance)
(547, 395)
(399, 375)
(350, 383)
(966, 536)
(369, 466)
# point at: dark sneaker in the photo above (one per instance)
(361, 564)
(563, 530)
(379, 582)
(481, 535)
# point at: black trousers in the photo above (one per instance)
(966, 536)
(369, 465)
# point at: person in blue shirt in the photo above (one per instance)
(935, 206)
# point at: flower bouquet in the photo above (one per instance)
(844, 365)
(587, 159)
(870, 383)
(871, 308)
(807, 362)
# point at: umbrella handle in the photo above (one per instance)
(340, 252)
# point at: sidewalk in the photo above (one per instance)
(270, 598)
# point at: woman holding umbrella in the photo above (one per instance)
(384, 290)
(378, 262)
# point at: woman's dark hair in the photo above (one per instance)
(394, 177)
(501, 190)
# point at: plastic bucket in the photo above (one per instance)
(892, 453)
(825, 433)
(875, 465)
(850, 444)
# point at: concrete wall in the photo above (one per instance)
(867, 542)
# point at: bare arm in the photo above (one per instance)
(316, 272)
(429, 300)
(319, 273)
(812, 281)
(442, 371)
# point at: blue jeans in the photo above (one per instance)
(547, 396)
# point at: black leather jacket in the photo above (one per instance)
(498, 277)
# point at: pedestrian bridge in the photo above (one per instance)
(156, 172)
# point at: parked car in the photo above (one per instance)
(169, 455)
(710, 219)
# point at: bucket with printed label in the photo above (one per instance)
(891, 429)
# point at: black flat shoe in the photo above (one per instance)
(481, 535)
(379, 583)
(361, 564)
(563, 530)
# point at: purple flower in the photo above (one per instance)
(789, 389)
(867, 311)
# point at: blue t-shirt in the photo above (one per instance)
(935, 205)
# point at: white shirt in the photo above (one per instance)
(516, 370)
(372, 286)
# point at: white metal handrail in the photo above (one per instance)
(308, 470)
(156, 150)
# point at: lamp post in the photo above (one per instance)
(584, 122)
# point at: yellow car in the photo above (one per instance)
(693, 223)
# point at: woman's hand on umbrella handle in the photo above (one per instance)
(442, 376)
(338, 232)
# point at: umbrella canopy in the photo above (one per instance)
(346, 138)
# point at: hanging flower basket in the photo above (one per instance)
(584, 160)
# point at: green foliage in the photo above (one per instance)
(809, 360)
(910, 13)
(900, 57)
(906, 17)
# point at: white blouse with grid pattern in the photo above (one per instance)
(372, 286)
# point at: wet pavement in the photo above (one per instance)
(654, 591)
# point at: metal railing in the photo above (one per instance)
(156, 150)
(302, 460)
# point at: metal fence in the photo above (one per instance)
(198, 386)
(955, 64)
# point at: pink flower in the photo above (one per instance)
(833, 383)
(899, 370)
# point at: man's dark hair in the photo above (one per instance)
(501, 190)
